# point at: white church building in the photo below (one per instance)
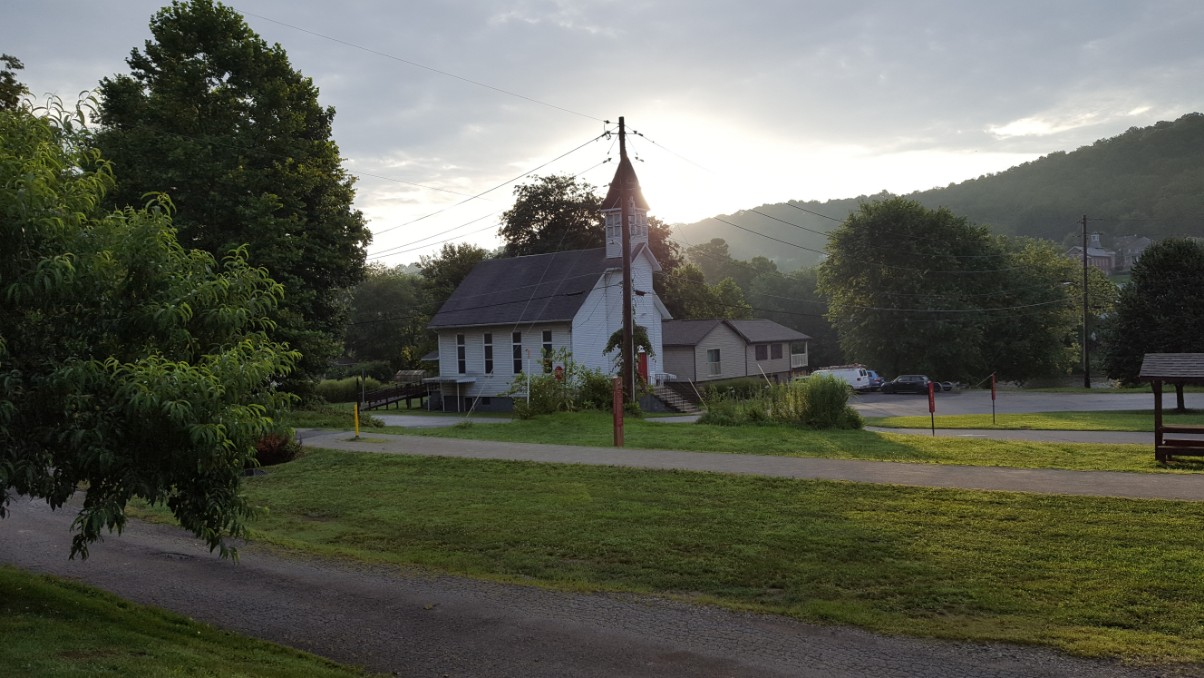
(508, 314)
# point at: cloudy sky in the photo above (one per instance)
(737, 103)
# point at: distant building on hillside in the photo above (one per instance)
(1097, 256)
(1127, 249)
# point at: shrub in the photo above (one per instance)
(381, 370)
(818, 402)
(346, 390)
(744, 388)
(578, 388)
(596, 391)
(276, 448)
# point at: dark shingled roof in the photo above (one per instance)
(1183, 368)
(759, 331)
(613, 199)
(532, 289)
(686, 332)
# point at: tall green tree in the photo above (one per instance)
(218, 119)
(553, 213)
(1040, 331)
(793, 300)
(11, 89)
(390, 311)
(129, 365)
(916, 290)
(445, 271)
(712, 258)
(1161, 310)
(687, 296)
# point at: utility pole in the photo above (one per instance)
(628, 349)
(1086, 334)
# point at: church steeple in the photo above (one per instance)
(612, 208)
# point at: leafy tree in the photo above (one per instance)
(1161, 310)
(553, 213)
(667, 252)
(1041, 332)
(390, 310)
(445, 272)
(11, 89)
(220, 120)
(688, 296)
(712, 258)
(794, 301)
(128, 364)
(914, 290)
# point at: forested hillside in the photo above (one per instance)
(1148, 181)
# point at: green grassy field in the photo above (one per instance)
(1118, 420)
(55, 627)
(594, 429)
(1097, 577)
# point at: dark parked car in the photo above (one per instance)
(907, 383)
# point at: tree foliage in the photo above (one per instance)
(444, 273)
(687, 295)
(128, 364)
(218, 119)
(390, 311)
(1161, 310)
(11, 89)
(793, 300)
(553, 213)
(917, 290)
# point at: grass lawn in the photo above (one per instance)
(1097, 577)
(1119, 420)
(594, 429)
(56, 627)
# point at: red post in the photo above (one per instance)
(932, 406)
(617, 406)
(992, 399)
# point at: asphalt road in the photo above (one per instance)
(413, 624)
(1011, 402)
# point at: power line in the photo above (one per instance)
(487, 191)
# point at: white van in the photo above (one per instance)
(856, 376)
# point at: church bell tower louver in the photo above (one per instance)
(637, 210)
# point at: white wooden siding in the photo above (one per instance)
(602, 315)
(733, 358)
(679, 361)
(498, 383)
(770, 366)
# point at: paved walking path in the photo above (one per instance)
(1041, 481)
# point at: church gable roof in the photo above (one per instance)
(532, 289)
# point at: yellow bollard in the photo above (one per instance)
(357, 421)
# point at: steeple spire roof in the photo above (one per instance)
(626, 172)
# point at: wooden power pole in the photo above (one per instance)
(628, 348)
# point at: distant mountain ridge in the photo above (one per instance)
(1147, 181)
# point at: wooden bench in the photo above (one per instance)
(1166, 447)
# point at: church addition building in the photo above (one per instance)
(508, 313)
